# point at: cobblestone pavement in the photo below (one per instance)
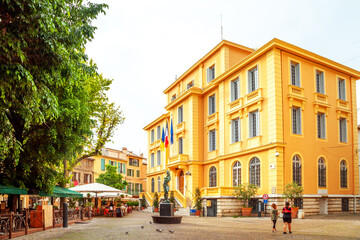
(314, 227)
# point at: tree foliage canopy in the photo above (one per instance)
(51, 96)
(245, 192)
(111, 178)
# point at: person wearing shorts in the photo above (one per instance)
(287, 217)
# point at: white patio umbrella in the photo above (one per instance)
(95, 188)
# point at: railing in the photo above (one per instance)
(321, 97)
(179, 158)
(180, 197)
(184, 91)
(217, 191)
(253, 97)
(10, 223)
(342, 104)
(133, 192)
(296, 90)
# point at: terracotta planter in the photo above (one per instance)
(197, 212)
(156, 209)
(246, 212)
(142, 208)
(294, 212)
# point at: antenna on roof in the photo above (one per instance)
(175, 77)
(222, 37)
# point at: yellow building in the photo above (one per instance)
(131, 166)
(268, 116)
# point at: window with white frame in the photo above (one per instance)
(321, 173)
(158, 133)
(158, 153)
(321, 133)
(343, 174)
(210, 73)
(212, 140)
(320, 84)
(297, 170)
(180, 114)
(295, 73)
(296, 120)
(342, 89)
(254, 125)
(180, 145)
(212, 103)
(253, 81)
(234, 88)
(236, 174)
(152, 136)
(152, 185)
(152, 159)
(212, 177)
(343, 130)
(159, 184)
(235, 130)
(190, 85)
(254, 171)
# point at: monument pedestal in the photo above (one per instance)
(167, 214)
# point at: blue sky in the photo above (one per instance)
(143, 45)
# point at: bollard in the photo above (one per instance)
(65, 215)
(43, 219)
(259, 209)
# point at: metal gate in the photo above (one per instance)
(212, 209)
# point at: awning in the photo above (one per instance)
(12, 190)
(61, 192)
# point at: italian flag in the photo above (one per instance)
(166, 136)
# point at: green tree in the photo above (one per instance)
(51, 98)
(245, 192)
(198, 199)
(293, 191)
(111, 178)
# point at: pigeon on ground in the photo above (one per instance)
(172, 231)
(160, 230)
(126, 232)
(142, 226)
(157, 229)
(150, 222)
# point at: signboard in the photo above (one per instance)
(265, 196)
(265, 201)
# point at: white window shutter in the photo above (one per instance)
(251, 125)
(257, 123)
(298, 116)
(297, 76)
(256, 78)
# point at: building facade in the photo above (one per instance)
(83, 173)
(131, 166)
(269, 116)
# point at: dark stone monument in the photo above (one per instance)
(167, 208)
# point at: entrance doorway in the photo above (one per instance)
(211, 207)
(181, 182)
(323, 205)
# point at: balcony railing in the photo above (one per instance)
(179, 158)
(253, 97)
(342, 104)
(295, 90)
(319, 97)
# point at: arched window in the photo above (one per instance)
(159, 184)
(212, 177)
(236, 174)
(297, 170)
(152, 185)
(343, 174)
(254, 171)
(322, 172)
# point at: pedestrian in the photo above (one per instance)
(287, 217)
(274, 216)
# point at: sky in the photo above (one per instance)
(143, 45)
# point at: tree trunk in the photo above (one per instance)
(63, 184)
(12, 200)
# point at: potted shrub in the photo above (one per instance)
(172, 199)
(291, 192)
(197, 202)
(143, 202)
(156, 202)
(245, 192)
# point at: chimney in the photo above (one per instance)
(141, 155)
(124, 149)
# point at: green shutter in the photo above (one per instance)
(102, 164)
(141, 187)
(119, 167)
(137, 173)
(109, 162)
(124, 170)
